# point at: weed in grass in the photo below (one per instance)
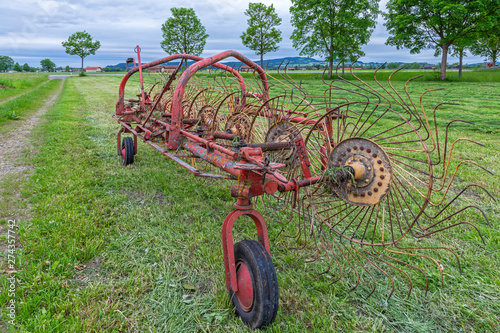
(12, 115)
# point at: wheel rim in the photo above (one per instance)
(245, 286)
(123, 154)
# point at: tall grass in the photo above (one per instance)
(23, 105)
(21, 81)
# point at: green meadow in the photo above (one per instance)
(108, 248)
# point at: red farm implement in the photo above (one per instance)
(353, 172)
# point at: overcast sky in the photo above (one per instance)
(33, 30)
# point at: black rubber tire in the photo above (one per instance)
(264, 281)
(128, 145)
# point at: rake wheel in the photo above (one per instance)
(380, 175)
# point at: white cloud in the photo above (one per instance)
(33, 30)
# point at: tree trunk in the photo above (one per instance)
(443, 62)
(343, 65)
(461, 57)
(330, 68)
(494, 58)
(261, 59)
(82, 66)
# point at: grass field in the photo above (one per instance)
(25, 94)
(112, 248)
(16, 84)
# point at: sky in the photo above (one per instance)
(34, 30)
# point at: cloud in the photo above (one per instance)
(33, 30)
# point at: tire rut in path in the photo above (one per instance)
(14, 143)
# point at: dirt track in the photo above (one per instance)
(16, 142)
(15, 145)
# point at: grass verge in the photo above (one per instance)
(18, 83)
(26, 104)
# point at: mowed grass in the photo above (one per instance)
(477, 76)
(137, 248)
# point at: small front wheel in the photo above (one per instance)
(256, 300)
(127, 151)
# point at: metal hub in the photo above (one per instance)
(283, 132)
(240, 124)
(372, 171)
(208, 114)
(245, 286)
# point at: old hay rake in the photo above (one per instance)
(363, 172)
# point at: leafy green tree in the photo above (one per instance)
(261, 35)
(392, 65)
(335, 29)
(488, 46)
(438, 24)
(81, 44)
(183, 33)
(26, 67)
(18, 67)
(416, 65)
(6, 63)
(67, 69)
(47, 65)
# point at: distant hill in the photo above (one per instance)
(292, 61)
(274, 63)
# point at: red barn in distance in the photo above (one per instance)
(93, 69)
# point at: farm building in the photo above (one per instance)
(162, 69)
(246, 69)
(93, 69)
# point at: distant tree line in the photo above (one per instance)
(337, 29)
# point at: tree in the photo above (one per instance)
(416, 65)
(18, 67)
(67, 69)
(26, 67)
(47, 65)
(459, 50)
(392, 65)
(81, 44)
(438, 24)
(183, 33)
(488, 46)
(261, 35)
(6, 63)
(335, 29)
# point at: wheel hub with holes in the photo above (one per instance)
(370, 168)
